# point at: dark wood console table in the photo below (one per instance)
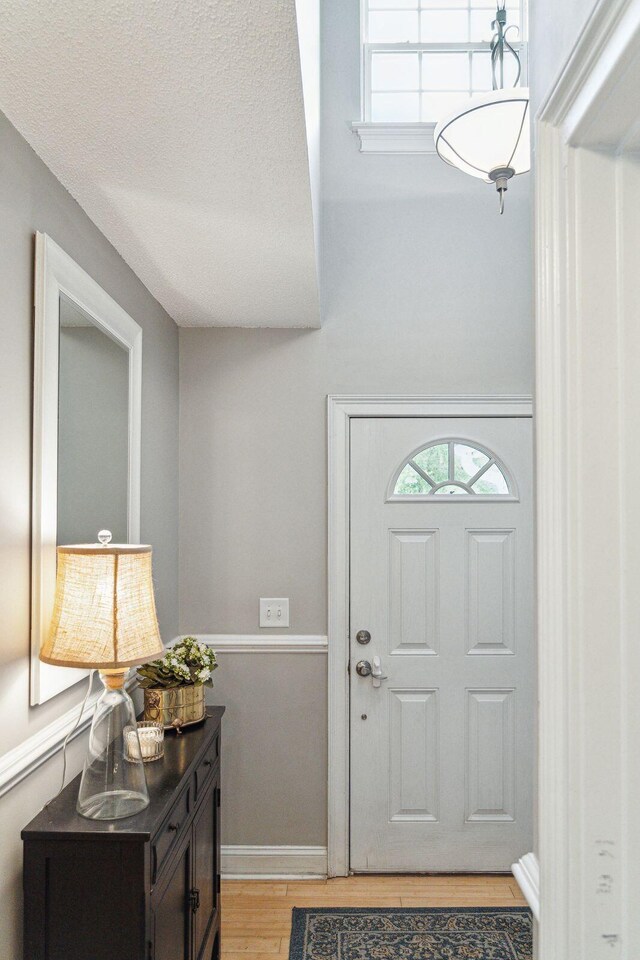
(142, 888)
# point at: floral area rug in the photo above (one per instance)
(396, 933)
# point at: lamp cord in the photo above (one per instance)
(69, 736)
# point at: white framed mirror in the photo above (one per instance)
(86, 432)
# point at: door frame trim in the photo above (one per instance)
(341, 409)
(590, 110)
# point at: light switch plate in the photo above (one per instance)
(274, 611)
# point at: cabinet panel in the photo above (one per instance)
(60, 921)
(171, 912)
(205, 830)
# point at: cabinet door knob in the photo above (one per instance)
(208, 763)
(174, 827)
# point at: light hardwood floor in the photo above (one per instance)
(256, 915)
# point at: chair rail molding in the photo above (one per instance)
(263, 643)
(16, 764)
(341, 409)
(22, 760)
(587, 345)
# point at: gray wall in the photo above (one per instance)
(32, 199)
(425, 289)
(274, 735)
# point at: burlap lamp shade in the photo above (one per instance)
(104, 614)
(104, 618)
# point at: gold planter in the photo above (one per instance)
(175, 707)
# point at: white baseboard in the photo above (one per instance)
(241, 862)
(527, 873)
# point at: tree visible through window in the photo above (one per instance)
(452, 468)
(422, 57)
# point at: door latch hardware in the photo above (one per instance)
(363, 668)
(373, 670)
(363, 636)
(194, 900)
(376, 672)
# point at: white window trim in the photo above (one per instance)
(340, 411)
(395, 137)
(417, 137)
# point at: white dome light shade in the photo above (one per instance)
(488, 133)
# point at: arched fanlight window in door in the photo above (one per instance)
(455, 468)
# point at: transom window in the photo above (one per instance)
(422, 57)
(452, 468)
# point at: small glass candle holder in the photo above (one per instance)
(151, 738)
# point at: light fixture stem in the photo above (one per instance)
(499, 42)
(501, 176)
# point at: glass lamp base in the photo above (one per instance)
(113, 783)
(113, 805)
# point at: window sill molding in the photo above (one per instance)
(395, 137)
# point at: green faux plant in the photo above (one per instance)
(187, 663)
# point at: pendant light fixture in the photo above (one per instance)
(489, 136)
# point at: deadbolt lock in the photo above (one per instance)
(363, 636)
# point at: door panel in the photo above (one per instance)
(414, 590)
(413, 730)
(444, 584)
(490, 591)
(490, 768)
(171, 912)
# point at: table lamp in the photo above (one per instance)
(104, 618)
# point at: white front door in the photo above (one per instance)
(442, 748)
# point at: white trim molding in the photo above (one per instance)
(263, 643)
(527, 873)
(17, 764)
(341, 410)
(273, 863)
(57, 274)
(587, 349)
(405, 405)
(395, 137)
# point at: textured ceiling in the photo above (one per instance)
(179, 127)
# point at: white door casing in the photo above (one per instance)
(588, 410)
(442, 749)
(588, 406)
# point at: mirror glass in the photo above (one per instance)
(93, 430)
